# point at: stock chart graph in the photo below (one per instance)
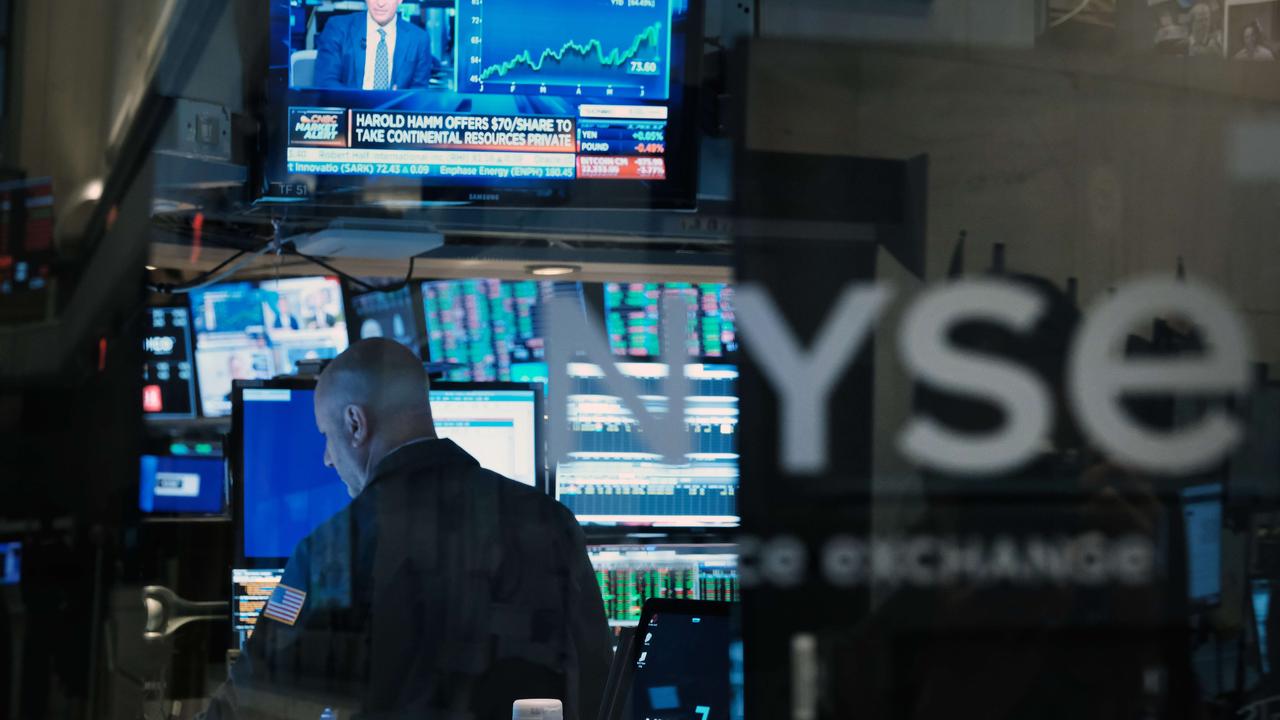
(610, 48)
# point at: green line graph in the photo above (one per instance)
(651, 36)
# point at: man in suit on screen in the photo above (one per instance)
(373, 50)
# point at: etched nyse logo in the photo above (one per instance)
(1099, 376)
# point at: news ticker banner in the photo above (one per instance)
(605, 142)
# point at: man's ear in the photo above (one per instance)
(356, 422)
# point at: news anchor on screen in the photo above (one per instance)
(374, 50)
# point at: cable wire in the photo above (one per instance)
(236, 262)
(1067, 18)
(397, 287)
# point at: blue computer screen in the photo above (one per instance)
(10, 563)
(1260, 597)
(185, 485)
(288, 491)
(1202, 513)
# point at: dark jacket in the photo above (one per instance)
(340, 54)
(443, 591)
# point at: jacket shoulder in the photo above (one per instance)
(408, 29)
(534, 502)
(336, 528)
(343, 24)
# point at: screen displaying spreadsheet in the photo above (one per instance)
(610, 475)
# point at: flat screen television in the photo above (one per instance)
(582, 103)
(260, 329)
(609, 474)
(633, 313)
(394, 315)
(491, 330)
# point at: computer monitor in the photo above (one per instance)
(10, 563)
(168, 372)
(497, 423)
(257, 330)
(250, 590)
(633, 314)
(490, 329)
(679, 665)
(1202, 523)
(1260, 600)
(283, 489)
(610, 476)
(631, 574)
(183, 482)
(393, 315)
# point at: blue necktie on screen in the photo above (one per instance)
(381, 63)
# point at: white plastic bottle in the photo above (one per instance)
(537, 709)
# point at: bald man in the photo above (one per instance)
(442, 591)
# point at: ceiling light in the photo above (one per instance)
(552, 270)
(151, 267)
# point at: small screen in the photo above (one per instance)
(1202, 512)
(250, 590)
(178, 484)
(1260, 595)
(389, 315)
(633, 314)
(254, 331)
(490, 329)
(168, 374)
(288, 492)
(681, 668)
(629, 575)
(611, 476)
(10, 563)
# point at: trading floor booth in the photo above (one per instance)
(865, 359)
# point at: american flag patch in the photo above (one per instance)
(285, 604)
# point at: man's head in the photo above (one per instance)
(370, 400)
(1252, 35)
(383, 11)
(1201, 20)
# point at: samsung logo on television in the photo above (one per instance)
(493, 197)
